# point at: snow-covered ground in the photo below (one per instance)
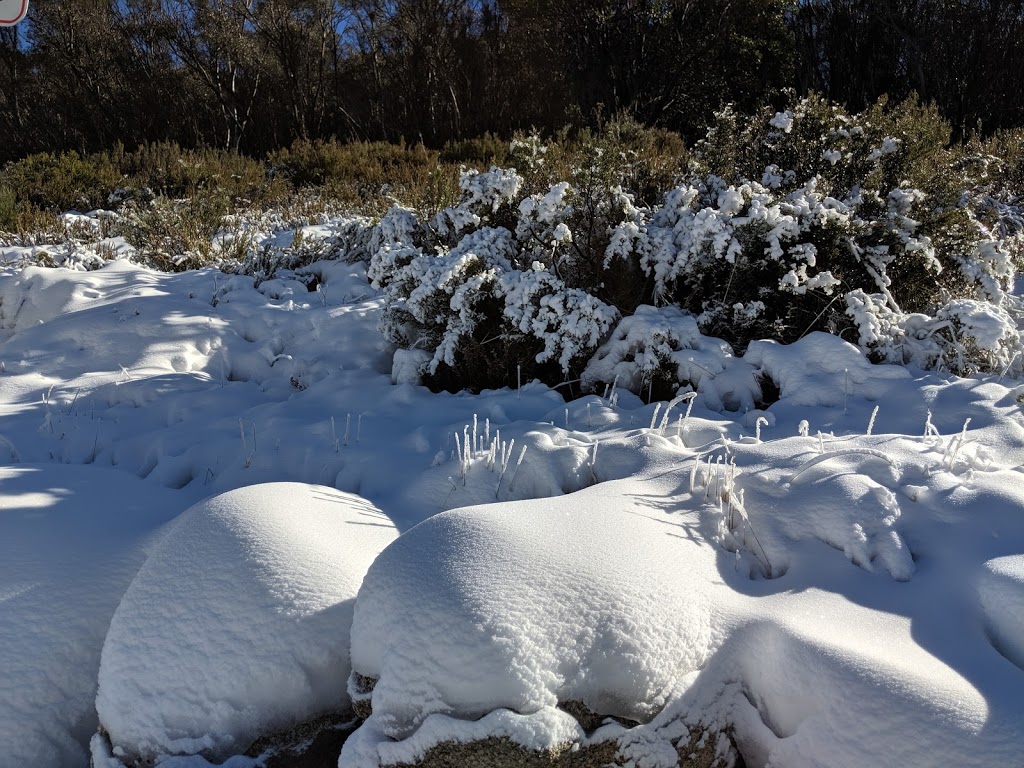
(838, 585)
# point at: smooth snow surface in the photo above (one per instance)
(240, 620)
(837, 578)
(522, 607)
(71, 539)
(1001, 588)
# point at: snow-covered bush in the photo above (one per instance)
(486, 199)
(481, 318)
(584, 224)
(789, 222)
(786, 214)
(289, 248)
(994, 169)
(963, 336)
(480, 286)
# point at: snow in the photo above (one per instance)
(523, 606)
(272, 568)
(1001, 590)
(801, 622)
(783, 121)
(645, 341)
(71, 539)
(820, 369)
(833, 597)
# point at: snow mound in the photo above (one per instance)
(666, 341)
(821, 369)
(643, 599)
(239, 620)
(522, 606)
(1001, 589)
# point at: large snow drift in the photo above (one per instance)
(646, 599)
(238, 623)
(835, 597)
(522, 606)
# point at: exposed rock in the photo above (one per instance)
(313, 744)
(589, 720)
(360, 688)
(502, 752)
(701, 750)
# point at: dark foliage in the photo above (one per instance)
(252, 76)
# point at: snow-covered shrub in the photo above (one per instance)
(788, 213)
(481, 318)
(399, 228)
(786, 223)
(575, 227)
(292, 248)
(963, 336)
(994, 169)
(1002, 213)
(486, 199)
(483, 287)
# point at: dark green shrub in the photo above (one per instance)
(171, 171)
(63, 182)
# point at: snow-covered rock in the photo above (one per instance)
(646, 599)
(238, 623)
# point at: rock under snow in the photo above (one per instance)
(238, 623)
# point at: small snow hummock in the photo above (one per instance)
(783, 121)
(237, 625)
(1001, 593)
(667, 341)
